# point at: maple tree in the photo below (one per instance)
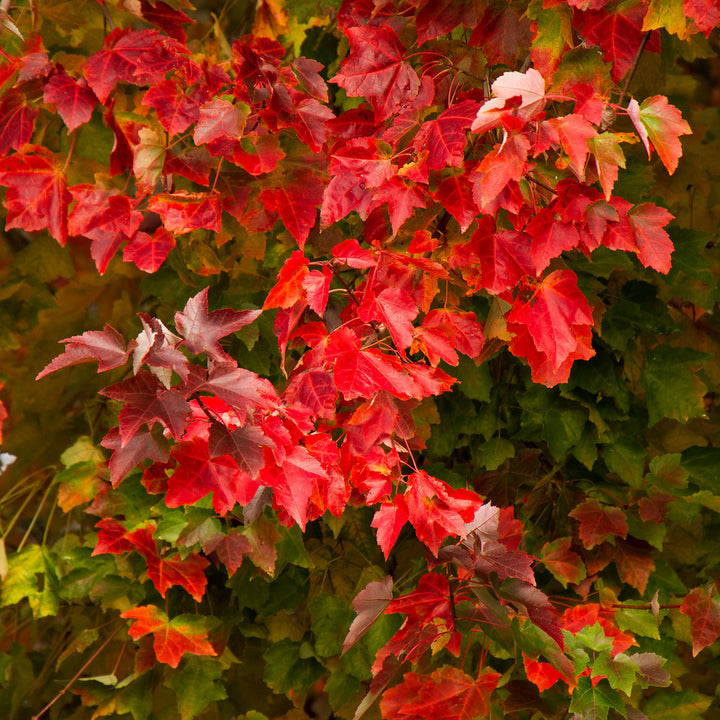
(406, 310)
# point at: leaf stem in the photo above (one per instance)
(73, 679)
(633, 68)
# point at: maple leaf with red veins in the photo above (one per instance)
(164, 573)
(309, 120)
(293, 482)
(198, 474)
(389, 520)
(166, 18)
(149, 252)
(396, 309)
(218, 119)
(503, 33)
(202, 330)
(37, 195)
(125, 458)
(445, 137)
(17, 121)
(447, 694)
(454, 193)
(598, 522)
(147, 401)
(296, 200)
(136, 56)
(574, 132)
(73, 98)
(440, 17)
(243, 444)
(659, 126)
(369, 604)
(107, 346)
(436, 510)
(171, 638)
(652, 244)
(112, 538)
(182, 212)
(704, 613)
(230, 549)
(176, 111)
(500, 166)
(553, 315)
(550, 237)
(376, 69)
(289, 288)
(430, 600)
(313, 390)
(705, 14)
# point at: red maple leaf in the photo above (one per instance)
(171, 638)
(542, 674)
(230, 548)
(149, 252)
(439, 17)
(445, 137)
(634, 562)
(147, 401)
(598, 522)
(37, 195)
(296, 200)
(447, 694)
(376, 69)
(705, 13)
(618, 32)
(218, 119)
(126, 457)
(176, 110)
(107, 346)
(565, 564)
(139, 57)
(198, 473)
(454, 193)
(554, 318)
(73, 98)
(202, 330)
(704, 613)
(17, 120)
(164, 573)
(652, 244)
(436, 510)
(183, 212)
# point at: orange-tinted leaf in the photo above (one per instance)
(447, 694)
(634, 562)
(542, 674)
(565, 564)
(171, 638)
(659, 125)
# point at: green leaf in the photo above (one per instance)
(639, 622)
(595, 702)
(196, 685)
(626, 458)
(672, 388)
(563, 428)
(619, 670)
(475, 380)
(493, 453)
(331, 618)
(685, 704)
(288, 667)
(32, 575)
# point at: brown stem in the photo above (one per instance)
(633, 68)
(72, 680)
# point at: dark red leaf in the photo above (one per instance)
(369, 604)
(598, 522)
(17, 119)
(73, 98)
(704, 613)
(202, 330)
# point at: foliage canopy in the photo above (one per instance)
(404, 315)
